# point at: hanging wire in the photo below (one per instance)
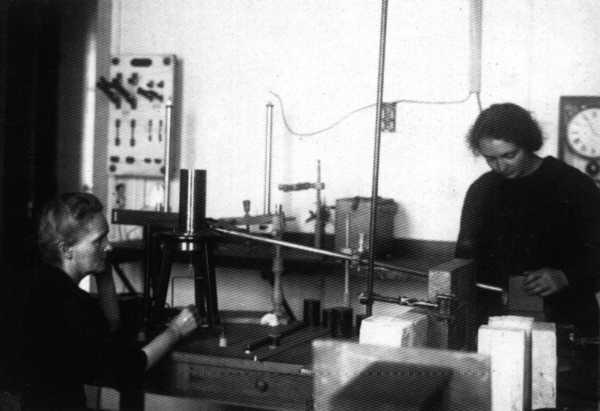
(322, 130)
(351, 113)
(478, 96)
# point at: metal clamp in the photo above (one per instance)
(446, 304)
(400, 300)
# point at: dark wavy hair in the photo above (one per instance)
(508, 122)
(62, 220)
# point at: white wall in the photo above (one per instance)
(321, 58)
(546, 51)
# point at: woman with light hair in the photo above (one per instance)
(70, 337)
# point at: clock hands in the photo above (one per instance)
(591, 125)
(583, 133)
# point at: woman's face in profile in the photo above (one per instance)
(89, 253)
(506, 158)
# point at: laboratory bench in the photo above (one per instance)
(272, 377)
(280, 377)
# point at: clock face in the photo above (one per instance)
(583, 133)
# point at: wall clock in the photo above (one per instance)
(579, 133)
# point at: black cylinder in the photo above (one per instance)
(340, 322)
(358, 322)
(192, 200)
(312, 312)
(326, 318)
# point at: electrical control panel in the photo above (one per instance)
(139, 89)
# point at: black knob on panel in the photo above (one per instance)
(592, 168)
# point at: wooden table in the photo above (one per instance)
(271, 377)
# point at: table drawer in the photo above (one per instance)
(249, 387)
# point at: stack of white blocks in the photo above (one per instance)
(523, 360)
(405, 329)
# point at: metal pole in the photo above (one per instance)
(278, 228)
(284, 244)
(318, 216)
(268, 158)
(167, 155)
(347, 264)
(320, 251)
(189, 206)
(376, 151)
(344, 256)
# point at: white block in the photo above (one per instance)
(511, 321)
(543, 365)
(506, 348)
(408, 329)
(518, 323)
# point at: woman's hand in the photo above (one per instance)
(544, 282)
(185, 322)
(179, 327)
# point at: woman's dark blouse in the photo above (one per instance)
(550, 218)
(68, 343)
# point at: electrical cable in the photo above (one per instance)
(478, 96)
(351, 113)
(322, 130)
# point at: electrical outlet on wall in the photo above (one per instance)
(388, 117)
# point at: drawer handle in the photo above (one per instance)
(195, 378)
(261, 385)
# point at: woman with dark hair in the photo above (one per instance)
(537, 218)
(70, 337)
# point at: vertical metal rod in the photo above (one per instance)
(189, 224)
(318, 216)
(376, 151)
(167, 156)
(347, 264)
(278, 229)
(268, 158)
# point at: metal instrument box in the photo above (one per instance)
(352, 218)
